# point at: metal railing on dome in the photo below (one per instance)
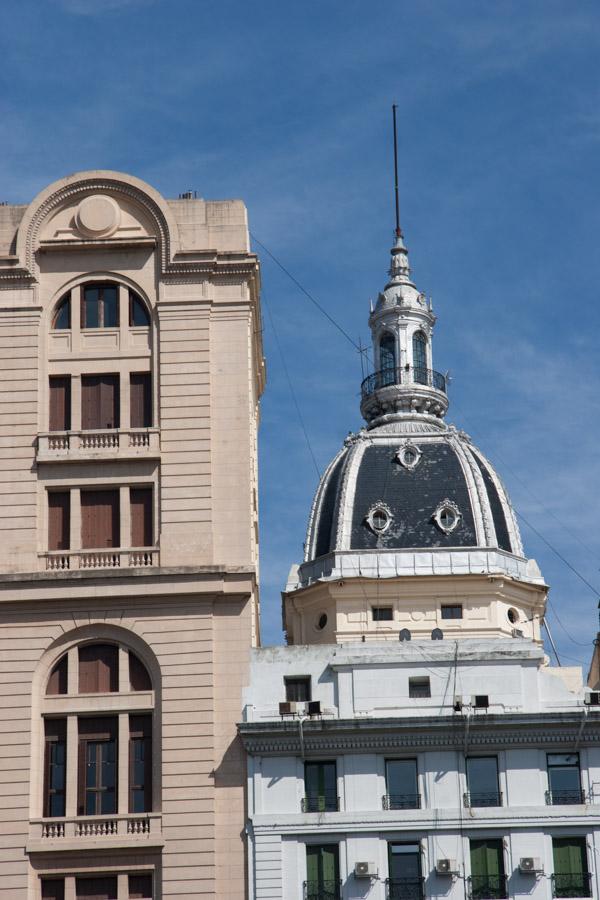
(394, 375)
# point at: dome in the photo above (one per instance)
(416, 487)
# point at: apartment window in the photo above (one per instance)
(102, 887)
(405, 880)
(140, 500)
(100, 519)
(452, 611)
(62, 313)
(488, 879)
(297, 689)
(53, 889)
(401, 784)
(571, 876)
(564, 779)
(482, 781)
(98, 887)
(320, 787)
(138, 314)
(55, 766)
(140, 395)
(419, 687)
(382, 613)
(322, 872)
(140, 764)
(59, 387)
(98, 668)
(99, 402)
(100, 306)
(59, 520)
(140, 887)
(97, 789)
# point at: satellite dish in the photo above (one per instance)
(437, 634)
(404, 635)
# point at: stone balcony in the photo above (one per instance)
(135, 830)
(100, 444)
(112, 558)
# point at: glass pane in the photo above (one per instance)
(110, 302)
(91, 317)
(419, 351)
(90, 774)
(139, 315)
(405, 862)
(62, 316)
(320, 786)
(402, 783)
(482, 780)
(387, 354)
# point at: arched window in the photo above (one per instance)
(100, 305)
(420, 357)
(84, 733)
(138, 314)
(387, 358)
(62, 313)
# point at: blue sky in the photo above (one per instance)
(287, 106)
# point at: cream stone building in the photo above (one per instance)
(130, 374)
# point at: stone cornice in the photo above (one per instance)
(485, 731)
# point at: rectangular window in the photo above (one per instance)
(488, 881)
(322, 872)
(60, 403)
(99, 402)
(298, 689)
(141, 517)
(564, 779)
(53, 889)
(452, 612)
(320, 787)
(401, 784)
(102, 887)
(406, 878)
(98, 668)
(419, 687)
(55, 767)
(571, 875)
(59, 520)
(140, 887)
(482, 781)
(97, 774)
(140, 394)
(100, 519)
(140, 764)
(382, 613)
(100, 306)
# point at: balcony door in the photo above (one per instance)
(99, 402)
(482, 781)
(571, 876)
(405, 881)
(99, 519)
(401, 783)
(488, 880)
(322, 872)
(320, 784)
(97, 766)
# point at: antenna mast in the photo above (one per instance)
(398, 229)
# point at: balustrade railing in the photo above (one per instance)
(117, 558)
(95, 828)
(67, 444)
(403, 375)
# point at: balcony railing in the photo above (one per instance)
(69, 445)
(565, 798)
(403, 375)
(405, 888)
(487, 887)
(401, 801)
(117, 558)
(489, 798)
(322, 890)
(325, 802)
(572, 884)
(55, 833)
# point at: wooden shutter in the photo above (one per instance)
(98, 888)
(141, 517)
(57, 682)
(60, 403)
(109, 401)
(99, 402)
(59, 520)
(140, 886)
(100, 526)
(90, 401)
(139, 679)
(98, 668)
(141, 400)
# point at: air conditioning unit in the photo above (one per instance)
(314, 707)
(517, 633)
(480, 701)
(458, 704)
(365, 870)
(592, 698)
(287, 708)
(446, 867)
(529, 865)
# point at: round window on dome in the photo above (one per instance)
(513, 616)
(321, 621)
(379, 518)
(408, 456)
(447, 516)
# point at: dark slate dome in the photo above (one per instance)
(391, 489)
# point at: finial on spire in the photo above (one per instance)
(398, 229)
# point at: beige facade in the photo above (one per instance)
(107, 289)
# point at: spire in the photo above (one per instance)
(399, 270)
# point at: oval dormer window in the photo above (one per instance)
(447, 516)
(379, 518)
(408, 456)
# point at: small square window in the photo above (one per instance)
(298, 689)
(419, 687)
(452, 612)
(382, 613)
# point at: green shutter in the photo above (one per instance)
(486, 858)
(569, 856)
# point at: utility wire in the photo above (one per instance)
(291, 387)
